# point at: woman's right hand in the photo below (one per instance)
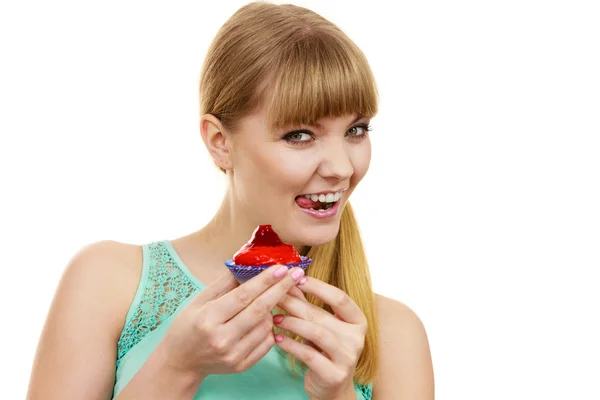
(227, 327)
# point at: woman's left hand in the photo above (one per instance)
(338, 339)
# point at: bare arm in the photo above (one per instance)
(76, 354)
(405, 370)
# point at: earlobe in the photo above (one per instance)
(215, 140)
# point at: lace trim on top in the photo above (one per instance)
(367, 391)
(165, 288)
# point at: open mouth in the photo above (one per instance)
(318, 206)
(321, 202)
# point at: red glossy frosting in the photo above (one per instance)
(266, 248)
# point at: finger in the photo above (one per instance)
(258, 353)
(338, 300)
(225, 283)
(248, 342)
(316, 334)
(307, 311)
(264, 303)
(237, 300)
(314, 360)
(311, 344)
(294, 291)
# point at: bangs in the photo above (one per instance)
(318, 77)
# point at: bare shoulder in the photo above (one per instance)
(107, 250)
(405, 368)
(84, 323)
(397, 316)
(114, 262)
(108, 269)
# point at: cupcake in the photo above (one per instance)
(263, 250)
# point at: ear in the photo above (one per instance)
(215, 140)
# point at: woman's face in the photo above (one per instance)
(277, 175)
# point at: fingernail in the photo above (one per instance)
(278, 338)
(297, 274)
(277, 319)
(279, 272)
(303, 281)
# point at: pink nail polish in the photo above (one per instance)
(278, 338)
(297, 274)
(303, 281)
(279, 272)
(277, 319)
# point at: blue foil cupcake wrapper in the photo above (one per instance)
(244, 272)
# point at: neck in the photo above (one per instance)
(227, 231)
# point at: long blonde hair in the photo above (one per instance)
(299, 68)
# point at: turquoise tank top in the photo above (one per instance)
(165, 288)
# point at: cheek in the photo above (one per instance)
(274, 170)
(295, 167)
(360, 157)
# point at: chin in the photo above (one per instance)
(313, 236)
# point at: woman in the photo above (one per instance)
(286, 100)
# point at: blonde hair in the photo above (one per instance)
(299, 68)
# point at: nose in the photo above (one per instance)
(336, 163)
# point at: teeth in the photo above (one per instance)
(324, 198)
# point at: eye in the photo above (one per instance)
(299, 137)
(359, 131)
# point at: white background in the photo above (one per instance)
(480, 211)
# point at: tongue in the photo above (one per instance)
(307, 203)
